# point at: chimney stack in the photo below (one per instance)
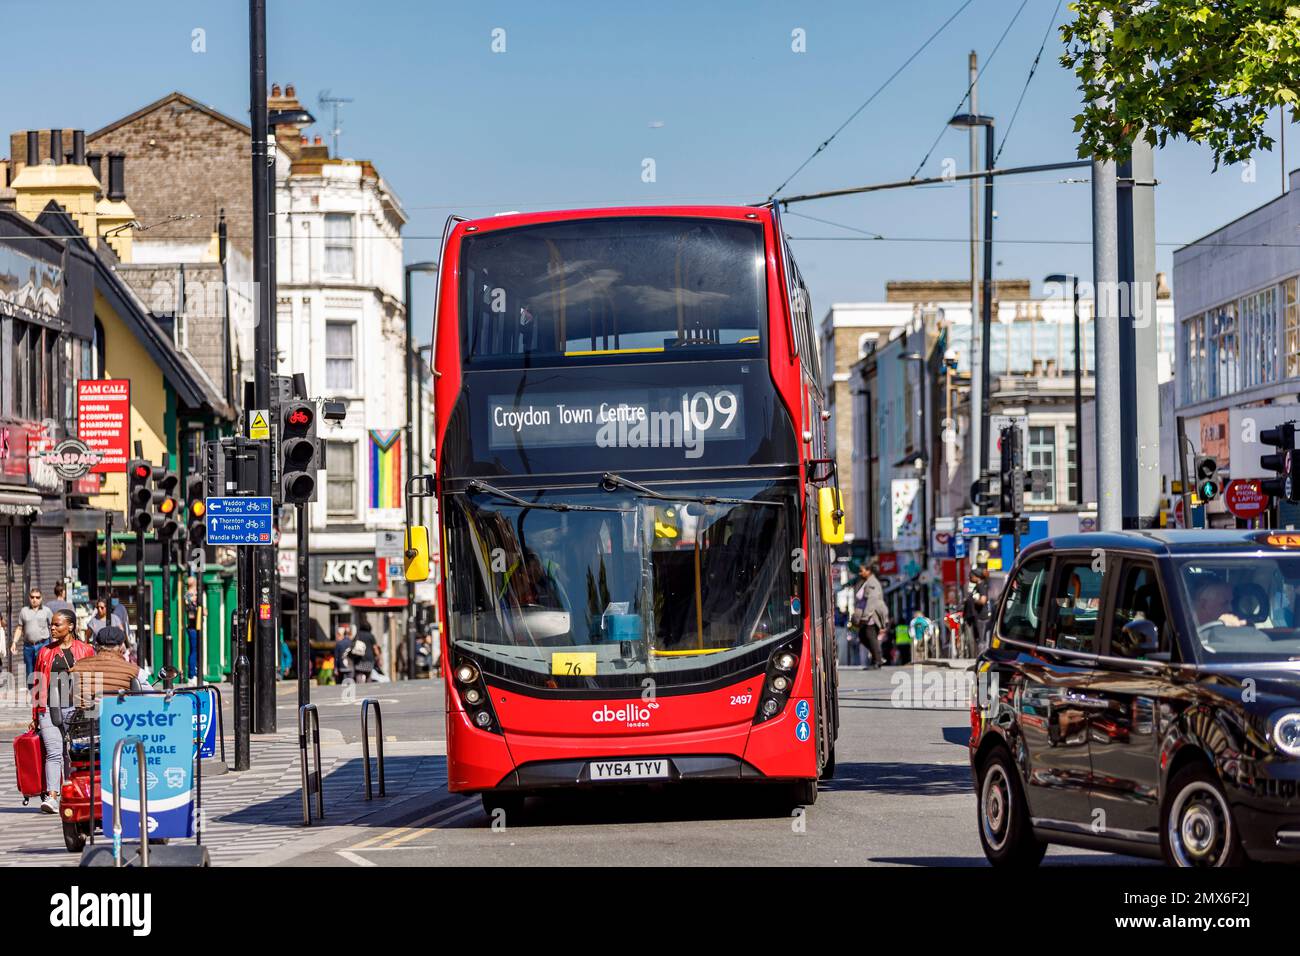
(56, 147)
(96, 163)
(33, 147)
(78, 147)
(116, 176)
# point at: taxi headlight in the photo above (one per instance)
(1286, 733)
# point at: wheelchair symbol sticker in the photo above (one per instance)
(801, 711)
(801, 731)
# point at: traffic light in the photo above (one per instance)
(985, 492)
(169, 508)
(1013, 471)
(195, 509)
(1208, 484)
(298, 452)
(139, 473)
(1280, 462)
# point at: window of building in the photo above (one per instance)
(1258, 320)
(1042, 461)
(1291, 342)
(1224, 358)
(1071, 464)
(340, 246)
(1194, 352)
(340, 355)
(340, 479)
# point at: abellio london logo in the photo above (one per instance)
(630, 715)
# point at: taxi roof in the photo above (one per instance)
(1159, 541)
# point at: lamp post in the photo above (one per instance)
(1060, 279)
(980, 377)
(430, 267)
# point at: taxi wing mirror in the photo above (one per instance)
(831, 512)
(415, 559)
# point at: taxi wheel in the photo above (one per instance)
(1005, 829)
(1198, 829)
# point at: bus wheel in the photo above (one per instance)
(828, 768)
(503, 808)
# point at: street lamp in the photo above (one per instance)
(1060, 279)
(980, 383)
(428, 267)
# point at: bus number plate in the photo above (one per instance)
(574, 664)
(628, 769)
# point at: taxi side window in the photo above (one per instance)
(1138, 599)
(1077, 604)
(1023, 609)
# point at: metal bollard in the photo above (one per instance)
(320, 779)
(379, 740)
(142, 768)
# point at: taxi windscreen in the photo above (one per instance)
(1247, 608)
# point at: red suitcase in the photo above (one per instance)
(29, 762)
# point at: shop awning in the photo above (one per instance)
(379, 603)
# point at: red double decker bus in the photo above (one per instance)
(635, 502)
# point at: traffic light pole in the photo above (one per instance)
(304, 609)
(168, 650)
(263, 560)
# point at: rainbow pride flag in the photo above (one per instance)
(386, 468)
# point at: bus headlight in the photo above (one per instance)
(770, 707)
(1286, 733)
(472, 695)
(483, 719)
(467, 673)
(785, 662)
(779, 683)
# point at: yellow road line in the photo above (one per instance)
(396, 831)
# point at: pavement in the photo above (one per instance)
(901, 796)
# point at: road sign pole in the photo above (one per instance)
(168, 650)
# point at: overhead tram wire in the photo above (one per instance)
(966, 96)
(865, 103)
(1033, 67)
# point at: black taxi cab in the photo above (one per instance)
(1141, 695)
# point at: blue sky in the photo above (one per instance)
(567, 114)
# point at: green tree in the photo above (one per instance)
(1205, 70)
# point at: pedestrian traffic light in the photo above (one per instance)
(298, 452)
(139, 473)
(1281, 462)
(195, 509)
(1208, 484)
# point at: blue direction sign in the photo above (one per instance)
(238, 521)
(977, 525)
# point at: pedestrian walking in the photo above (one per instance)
(97, 621)
(193, 612)
(54, 666)
(871, 615)
(60, 600)
(342, 660)
(975, 610)
(364, 654)
(33, 632)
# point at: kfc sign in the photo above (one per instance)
(345, 573)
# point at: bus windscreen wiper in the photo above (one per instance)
(611, 481)
(483, 486)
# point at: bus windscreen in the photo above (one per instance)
(595, 290)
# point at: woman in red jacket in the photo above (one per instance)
(53, 663)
